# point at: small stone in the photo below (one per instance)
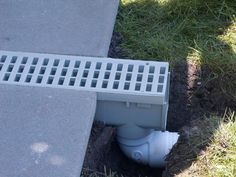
(199, 83)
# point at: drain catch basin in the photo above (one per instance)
(132, 95)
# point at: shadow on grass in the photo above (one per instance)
(198, 38)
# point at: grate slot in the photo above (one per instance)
(61, 81)
(45, 61)
(66, 63)
(50, 80)
(39, 79)
(77, 64)
(74, 73)
(72, 82)
(24, 60)
(151, 69)
(96, 74)
(117, 75)
(126, 86)
(98, 65)
(130, 68)
(13, 59)
(17, 78)
(162, 70)
(140, 68)
(94, 83)
(53, 71)
(3, 58)
(6, 76)
(159, 88)
(28, 78)
(149, 87)
(83, 82)
(137, 87)
(56, 62)
(32, 69)
(10, 68)
(104, 84)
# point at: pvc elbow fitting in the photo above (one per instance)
(150, 150)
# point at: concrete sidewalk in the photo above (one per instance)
(73, 27)
(44, 132)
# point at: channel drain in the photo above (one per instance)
(102, 75)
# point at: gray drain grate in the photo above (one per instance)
(112, 79)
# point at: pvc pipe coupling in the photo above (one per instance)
(150, 150)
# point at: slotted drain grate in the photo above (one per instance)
(110, 78)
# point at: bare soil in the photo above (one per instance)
(191, 100)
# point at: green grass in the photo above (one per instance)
(219, 158)
(197, 31)
(178, 29)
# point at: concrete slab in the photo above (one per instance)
(44, 131)
(76, 27)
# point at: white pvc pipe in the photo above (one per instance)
(150, 150)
